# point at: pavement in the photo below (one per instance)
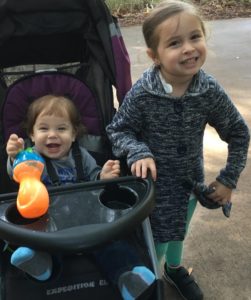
(218, 249)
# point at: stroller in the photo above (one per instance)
(69, 47)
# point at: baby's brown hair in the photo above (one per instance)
(54, 105)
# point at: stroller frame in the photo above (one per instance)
(60, 38)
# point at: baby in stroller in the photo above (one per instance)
(53, 124)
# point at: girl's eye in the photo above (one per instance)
(196, 36)
(174, 44)
(62, 128)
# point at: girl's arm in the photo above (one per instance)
(125, 129)
(141, 167)
(232, 129)
(222, 194)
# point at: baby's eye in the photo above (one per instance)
(42, 128)
(61, 128)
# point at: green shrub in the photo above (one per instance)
(129, 5)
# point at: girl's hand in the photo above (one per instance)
(14, 145)
(221, 194)
(111, 169)
(140, 168)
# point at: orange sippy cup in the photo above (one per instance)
(33, 198)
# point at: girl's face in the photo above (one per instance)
(53, 136)
(182, 47)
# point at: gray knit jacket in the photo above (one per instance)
(151, 123)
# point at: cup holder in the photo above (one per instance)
(14, 217)
(118, 198)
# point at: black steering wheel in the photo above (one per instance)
(80, 216)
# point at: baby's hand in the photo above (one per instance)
(140, 168)
(14, 145)
(111, 169)
(221, 194)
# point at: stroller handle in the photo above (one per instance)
(80, 216)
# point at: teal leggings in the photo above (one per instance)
(173, 250)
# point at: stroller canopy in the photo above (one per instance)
(63, 31)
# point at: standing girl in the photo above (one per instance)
(160, 127)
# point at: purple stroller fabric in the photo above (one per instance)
(24, 91)
(122, 62)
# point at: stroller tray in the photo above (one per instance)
(80, 216)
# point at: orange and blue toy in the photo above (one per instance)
(33, 198)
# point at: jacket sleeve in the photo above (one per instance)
(9, 168)
(232, 129)
(91, 169)
(124, 131)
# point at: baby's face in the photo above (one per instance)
(53, 136)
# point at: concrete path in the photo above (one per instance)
(218, 249)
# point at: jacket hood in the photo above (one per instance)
(152, 84)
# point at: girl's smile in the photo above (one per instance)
(189, 61)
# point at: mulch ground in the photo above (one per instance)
(210, 11)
